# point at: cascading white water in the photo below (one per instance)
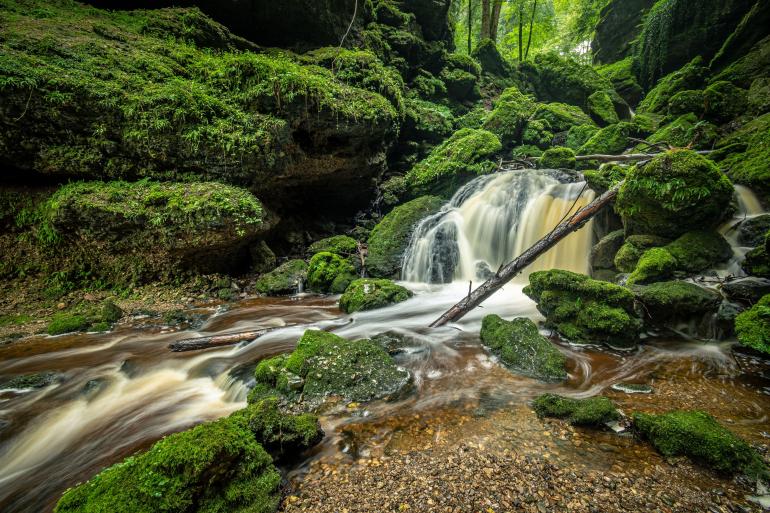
(493, 219)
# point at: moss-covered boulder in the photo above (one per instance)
(757, 262)
(674, 193)
(654, 264)
(752, 230)
(601, 108)
(557, 158)
(342, 245)
(688, 101)
(603, 252)
(85, 316)
(287, 278)
(461, 74)
(369, 294)
(578, 135)
(325, 365)
(610, 140)
(686, 131)
(487, 54)
(522, 348)
(759, 96)
(592, 411)
(690, 76)
(633, 248)
(676, 301)
(561, 117)
(621, 76)
(607, 176)
(509, 117)
(584, 310)
(699, 436)
(216, 466)
(389, 239)
(462, 157)
(427, 122)
(752, 326)
(748, 165)
(724, 101)
(329, 272)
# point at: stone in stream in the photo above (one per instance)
(593, 411)
(749, 289)
(30, 381)
(669, 301)
(369, 294)
(287, 278)
(329, 272)
(632, 388)
(522, 348)
(753, 326)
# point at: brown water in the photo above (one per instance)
(120, 392)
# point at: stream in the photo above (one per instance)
(119, 392)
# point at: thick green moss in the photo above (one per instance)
(654, 264)
(474, 118)
(698, 435)
(522, 348)
(690, 76)
(601, 108)
(688, 101)
(724, 101)
(580, 134)
(647, 123)
(699, 250)
(585, 310)
(677, 300)
(287, 278)
(328, 272)
(324, 364)
(85, 316)
(562, 117)
(635, 245)
(759, 96)
(369, 294)
(465, 155)
(338, 244)
(593, 411)
(509, 117)
(612, 139)
(621, 76)
(755, 63)
(67, 323)
(604, 178)
(749, 167)
(557, 158)
(757, 262)
(674, 193)
(217, 466)
(752, 326)
(686, 131)
(390, 237)
(537, 133)
(489, 57)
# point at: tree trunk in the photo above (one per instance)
(194, 344)
(521, 27)
(531, 24)
(484, 19)
(470, 25)
(495, 19)
(511, 269)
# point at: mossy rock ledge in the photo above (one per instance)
(668, 301)
(753, 326)
(369, 294)
(522, 348)
(285, 279)
(592, 411)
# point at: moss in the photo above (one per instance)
(606, 177)
(472, 119)
(281, 434)
(462, 157)
(683, 102)
(287, 278)
(686, 131)
(580, 134)
(654, 264)
(677, 300)
(487, 55)
(621, 76)
(426, 85)
(557, 158)
(724, 101)
(749, 167)
(690, 76)
(526, 150)
(601, 108)
(328, 272)
(538, 133)
(752, 327)
(635, 245)
(215, 466)
(390, 237)
(647, 123)
(509, 117)
(328, 365)
(14, 319)
(460, 85)
(38, 380)
(561, 117)
(612, 139)
(520, 347)
(699, 436)
(759, 96)
(564, 79)
(752, 230)
(757, 262)
(338, 244)
(603, 252)
(699, 250)
(369, 294)
(755, 63)
(84, 316)
(676, 192)
(584, 310)
(593, 411)
(427, 120)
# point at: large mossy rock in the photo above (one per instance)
(522, 348)
(622, 77)
(610, 140)
(754, 64)
(689, 77)
(592, 411)
(699, 436)
(686, 131)
(85, 317)
(603, 252)
(633, 248)
(752, 230)
(329, 272)
(676, 301)
(325, 365)
(369, 294)
(341, 245)
(217, 466)
(674, 193)
(584, 310)
(287, 278)
(512, 110)
(748, 164)
(753, 326)
(602, 109)
(390, 238)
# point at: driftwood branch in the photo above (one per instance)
(626, 157)
(511, 269)
(229, 339)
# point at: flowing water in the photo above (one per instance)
(121, 391)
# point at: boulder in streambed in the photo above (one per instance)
(752, 231)
(669, 301)
(557, 158)
(753, 326)
(369, 294)
(748, 289)
(592, 411)
(522, 348)
(328, 272)
(700, 437)
(30, 381)
(287, 278)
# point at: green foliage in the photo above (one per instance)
(11, 319)
(460, 158)
(698, 435)
(369, 294)
(584, 310)
(604, 178)
(427, 120)
(84, 316)
(328, 272)
(390, 237)
(557, 158)
(509, 117)
(592, 411)
(520, 347)
(602, 109)
(676, 192)
(684, 102)
(213, 467)
(686, 131)
(749, 166)
(285, 279)
(724, 101)
(472, 119)
(752, 326)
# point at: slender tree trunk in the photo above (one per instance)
(470, 25)
(495, 19)
(484, 19)
(521, 26)
(531, 24)
(514, 267)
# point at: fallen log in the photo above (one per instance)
(228, 339)
(514, 267)
(627, 157)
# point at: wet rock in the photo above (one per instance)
(753, 326)
(369, 294)
(31, 381)
(593, 411)
(676, 301)
(725, 318)
(747, 290)
(603, 253)
(632, 388)
(262, 257)
(522, 348)
(752, 231)
(287, 278)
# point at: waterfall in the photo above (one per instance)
(493, 219)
